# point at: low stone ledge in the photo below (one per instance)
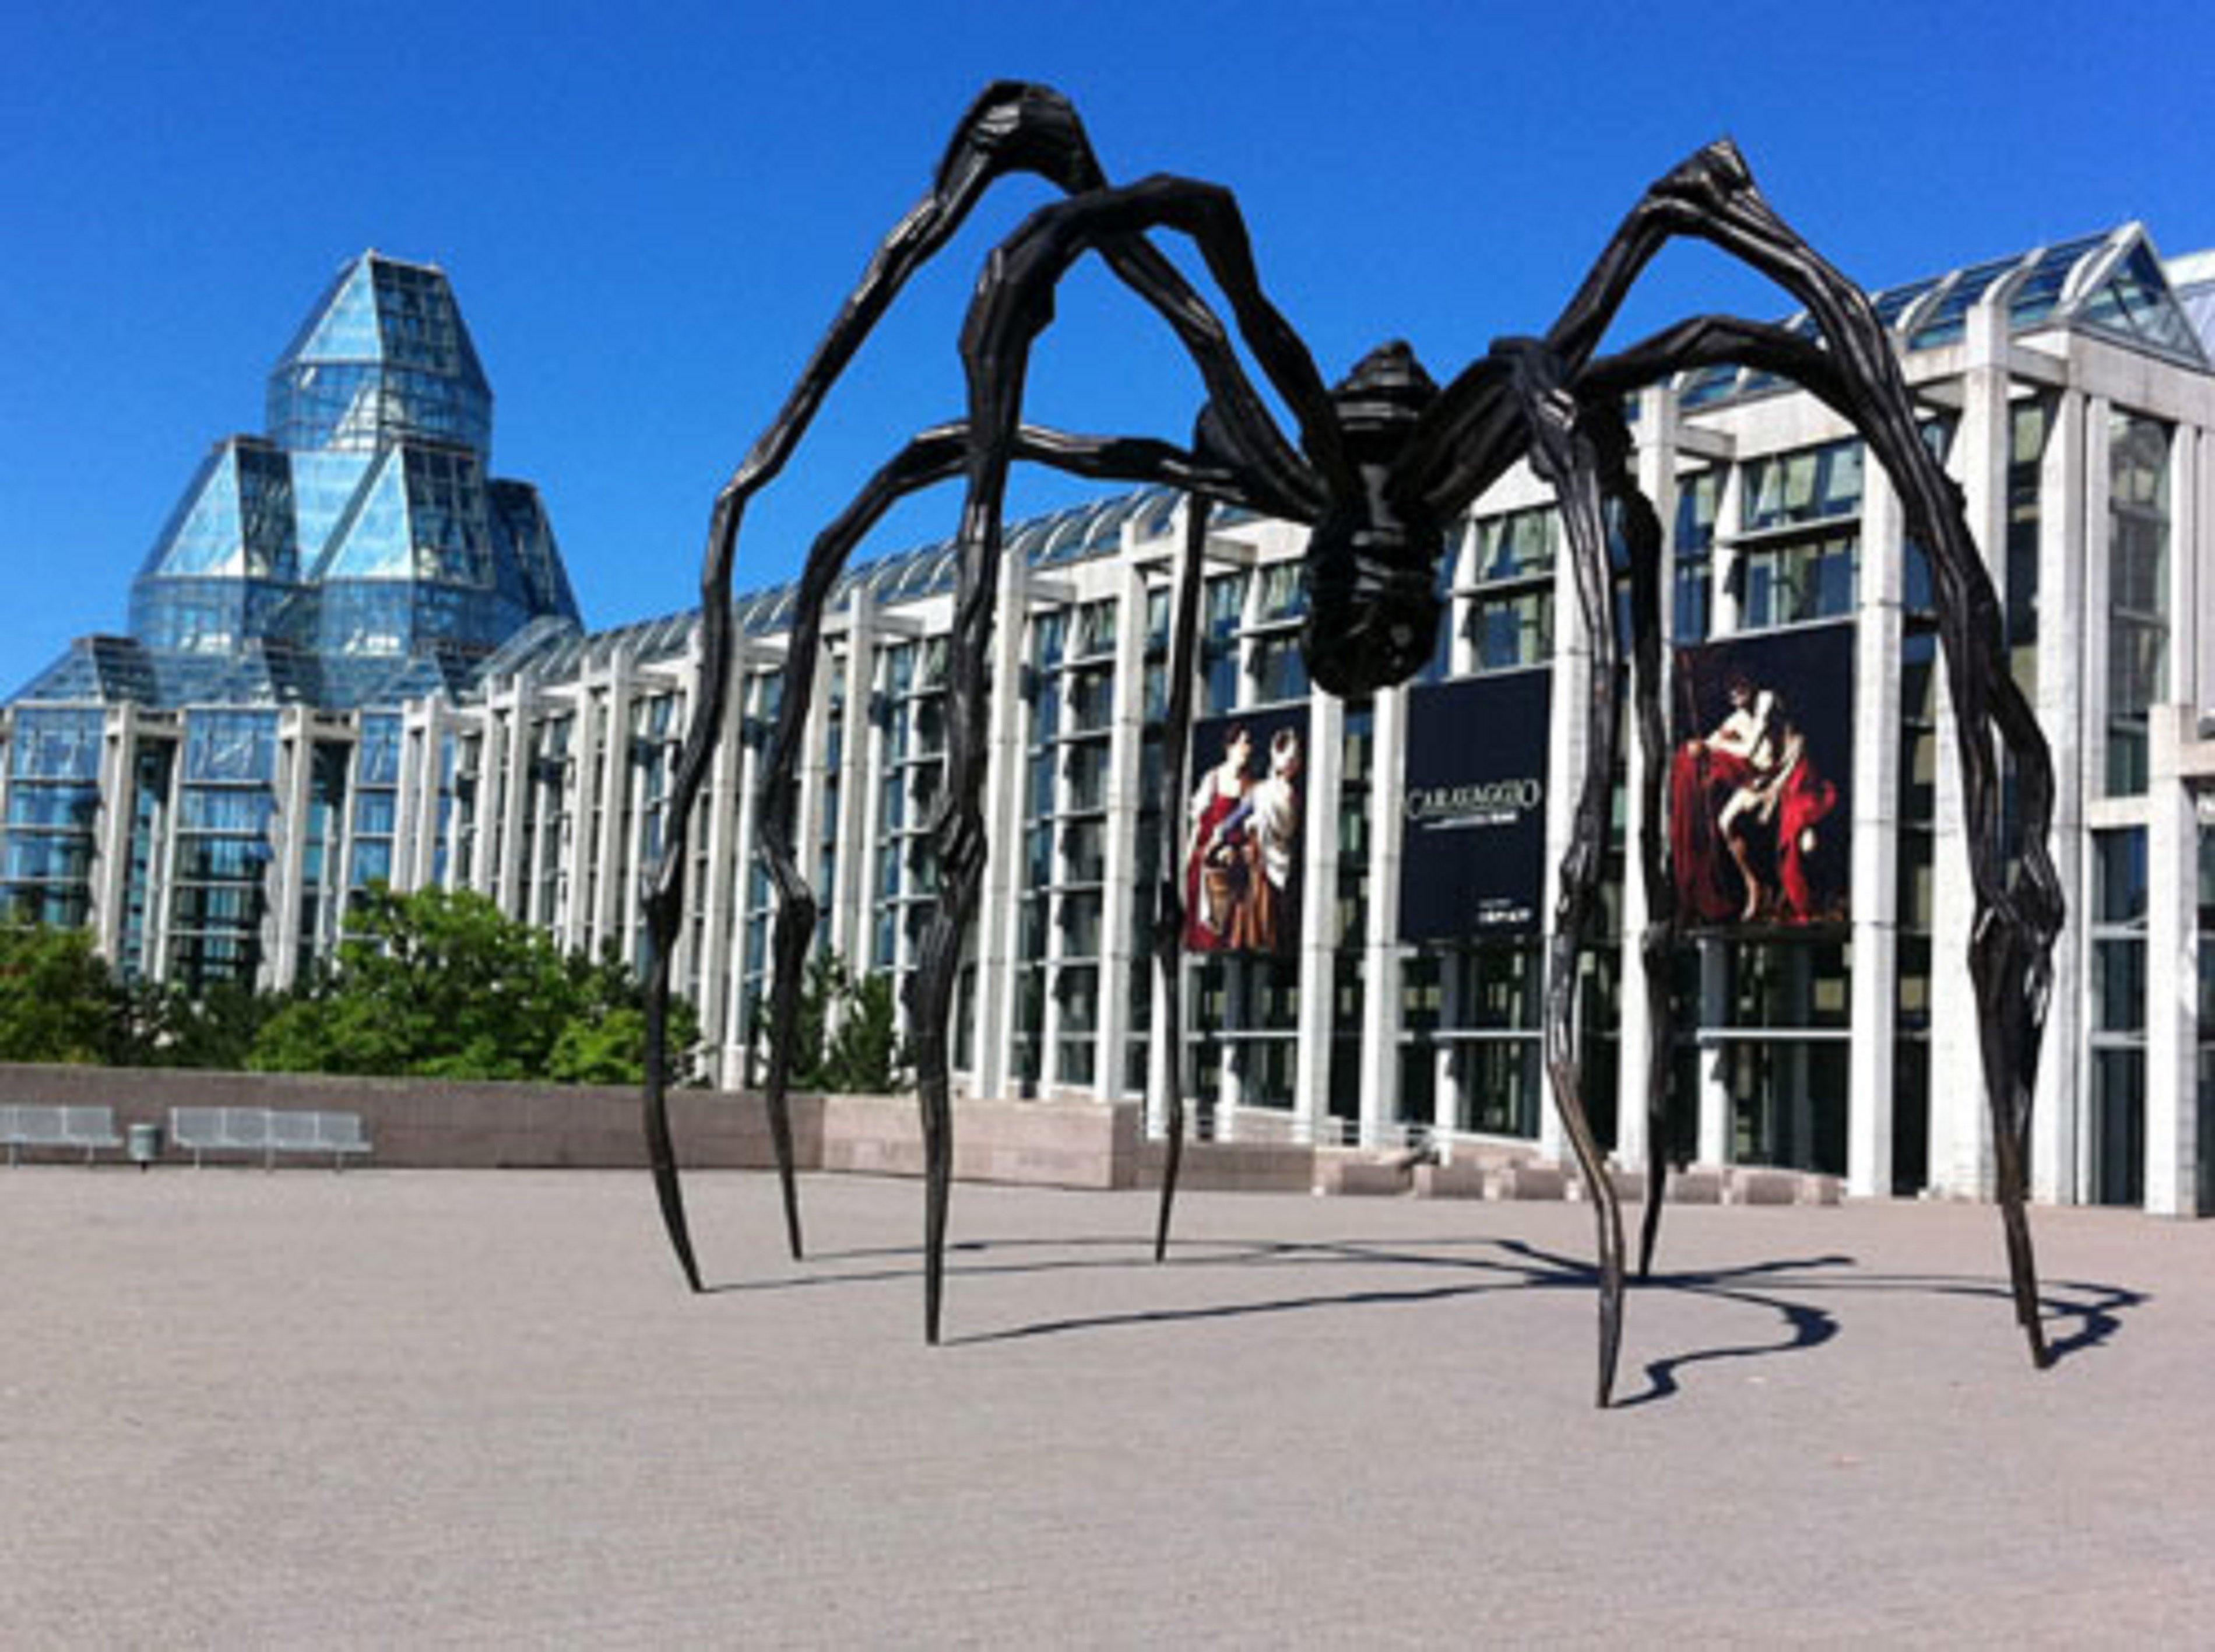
(1036, 1144)
(1374, 1179)
(1696, 1187)
(1528, 1179)
(1753, 1187)
(1461, 1179)
(1233, 1166)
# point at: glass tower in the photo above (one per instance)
(356, 555)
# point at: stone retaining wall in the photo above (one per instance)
(434, 1124)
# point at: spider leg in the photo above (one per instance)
(1565, 455)
(1466, 441)
(2011, 940)
(1011, 127)
(1013, 306)
(933, 456)
(1640, 528)
(1168, 898)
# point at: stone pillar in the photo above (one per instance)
(1126, 903)
(118, 779)
(512, 876)
(1380, 949)
(845, 903)
(281, 929)
(2172, 1091)
(2066, 526)
(993, 935)
(613, 771)
(1657, 479)
(1873, 1007)
(1319, 783)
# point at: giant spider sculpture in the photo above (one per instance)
(1381, 464)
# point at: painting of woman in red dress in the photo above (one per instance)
(1214, 874)
(1752, 836)
(1244, 842)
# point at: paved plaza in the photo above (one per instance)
(432, 1407)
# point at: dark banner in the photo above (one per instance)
(1760, 806)
(1473, 832)
(1245, 828)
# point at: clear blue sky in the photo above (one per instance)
(649, 212)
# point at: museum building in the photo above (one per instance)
(353, 656)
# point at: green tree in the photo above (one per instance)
(58, 1001)
(442, 983)
(867, 1056)
(846, 1039)
(166, 1025)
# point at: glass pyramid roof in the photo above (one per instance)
(384, 356)
(359, 549)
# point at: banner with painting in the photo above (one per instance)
(1473, 830)
(1760, 808)
(1245, 832)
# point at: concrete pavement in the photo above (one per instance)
(458, 1408)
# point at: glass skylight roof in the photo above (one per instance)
(2111, 284)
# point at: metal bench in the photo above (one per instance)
(205, 1130)
(89, 1127)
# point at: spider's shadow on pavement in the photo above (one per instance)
(2091, 1311)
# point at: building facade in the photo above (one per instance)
(1372, 881)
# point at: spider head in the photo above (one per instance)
(1372, 562)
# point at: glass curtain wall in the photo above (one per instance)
(2138, 593)
(53, 812)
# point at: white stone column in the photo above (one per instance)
(415, 827)
(2172, 1009)
(1380, 950)
(614, 769)
(846, 902)
(512, 876)
(2066, 520)
(118, 780)
(994, 933)
(296, 756)
(1127, 900)
(1636, 1031)
(1871, 1073)
(1324, 773)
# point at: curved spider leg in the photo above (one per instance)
(1013, 306)
(1640, 531)
(2011, 941)
(1711, 196)
(1010, 127)
(1168, 898)
(1564, 455)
